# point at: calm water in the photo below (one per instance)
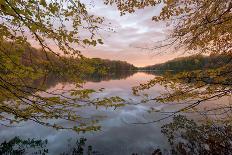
(118, 136)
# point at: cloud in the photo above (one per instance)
(132, 31)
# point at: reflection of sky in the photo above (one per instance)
(118, 135)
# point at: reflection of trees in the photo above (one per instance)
(192, 89)
(185, 136)
(25, 95)
(115, 75)
(50, 80)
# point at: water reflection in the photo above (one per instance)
(118, 135)
(110, 76)
(184, 135)
(18, 146)
(51, 80)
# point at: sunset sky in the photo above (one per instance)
(132, 31)
(131, 34)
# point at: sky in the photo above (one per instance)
(132, 33)
(131, 38)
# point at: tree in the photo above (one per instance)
(188, 137)
(17, 146)
(66, 24)
(58, 21)
(203, 27)
(197, 25)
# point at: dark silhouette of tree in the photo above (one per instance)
(17, 146)
(188, 137)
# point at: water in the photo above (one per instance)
(118, 134)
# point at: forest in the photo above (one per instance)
(30, 56)
(190, 63)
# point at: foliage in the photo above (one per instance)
(202, 27)
(59, 21)
(110, 66)
(191, 63)
(17, 146)
(81, 149)
(193, 80)
(57, 27)
(188, 137)
(22, 101)
(192, 88)
(67, 25)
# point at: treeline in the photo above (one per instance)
(110, 66)
(190, 63)
(52, 62)
(88, 65)
(42, 70)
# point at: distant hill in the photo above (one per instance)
(190, 63)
